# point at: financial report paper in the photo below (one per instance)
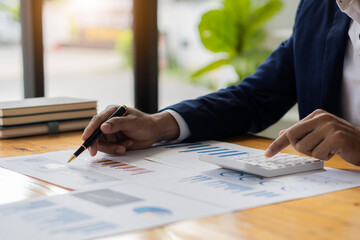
(135, 180)
(96, 212)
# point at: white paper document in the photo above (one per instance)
(169, 177)
(235, 191)
(86, 171)
(96, 212)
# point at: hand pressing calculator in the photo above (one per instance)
(258, 164)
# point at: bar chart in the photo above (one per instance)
(263, 194)
(226, 188)
(205, 148)
(109, 163)
(214, 183)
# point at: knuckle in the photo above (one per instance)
(301, 148)
(298, 148)
(330, 126)
(319, 111)
(339, 136)
(325, 117)
(290, 133)
(96, 119)
(292, 137)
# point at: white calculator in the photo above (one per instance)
(258, 164)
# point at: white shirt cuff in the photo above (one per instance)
(184, 128)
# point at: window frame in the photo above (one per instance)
(145, 52)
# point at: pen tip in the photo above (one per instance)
(72, 158)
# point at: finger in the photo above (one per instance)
(282, 132)
(301, 130)
(308, 143)
(325, 150)
(111, 148)
(292, 136)
(109, 138)
(93, 149)
(128, 144)
(117, 124)
(279, 144)
(120, 137)
(314, 114)
(305, 126)
(97, 120)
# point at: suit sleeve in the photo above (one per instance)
(249, 107)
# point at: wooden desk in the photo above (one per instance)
(329, 216)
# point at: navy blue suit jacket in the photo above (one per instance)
(307, 69)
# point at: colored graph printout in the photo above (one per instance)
(152, 211)
(166, 183)
(106, 197)
(138, 166)
(52, 167)
(186, 155)
(85, 171)
(96, 212)
(234, 190)
(208, 149)
(133, 170)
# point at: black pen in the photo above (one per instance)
(118, 113)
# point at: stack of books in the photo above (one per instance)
(35, 116)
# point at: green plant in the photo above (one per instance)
(124, 46)
(236, 32)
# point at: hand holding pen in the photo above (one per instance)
(121, 111)
(134, 130)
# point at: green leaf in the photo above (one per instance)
(254, 39)
(237, 29)
(218, 32)
(246, 63)
(261, 13)
(210, 67)
(239, 9)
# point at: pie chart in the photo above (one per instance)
(152, 211)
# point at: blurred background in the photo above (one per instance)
(88, 50)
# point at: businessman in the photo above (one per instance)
(318, 67)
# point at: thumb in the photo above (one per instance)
(117, 124)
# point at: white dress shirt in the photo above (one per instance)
(350, 93)
(184, 128)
